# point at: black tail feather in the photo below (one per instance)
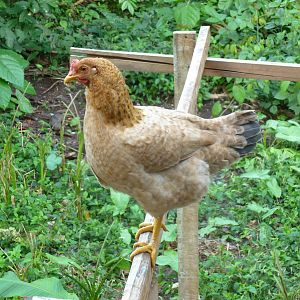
(252, 134)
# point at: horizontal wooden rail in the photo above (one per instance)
(163, 63)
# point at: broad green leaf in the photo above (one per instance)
(274, 188)
(270, 212)
(63, 24)
(5, 94)
(62, 260)
(272, 124)
(214, 16)
(12, 286)
(216, 109)
(256, 174)
(281, 95)
(169, 258)
(53, 161)
(17, 57)
(221, 221)
(263, 233)
(125, 236)
(75, 121)
(186, 16)
(273, 109)
(124, 264)
(297, 169)
(207, 230)
(171, 234)
(284, 85)
(257, 208)
(24, 103)
(120, 201)
(2, 4)
(291, 134)
(224, 4)
(27, 88)
(11, 70)
(239, 93)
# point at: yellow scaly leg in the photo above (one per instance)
(152, 247)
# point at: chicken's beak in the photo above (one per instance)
(70, 77)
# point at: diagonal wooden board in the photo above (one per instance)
(138, 285)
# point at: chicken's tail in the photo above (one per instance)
(237, 135)
(252, 134)
(246, 128)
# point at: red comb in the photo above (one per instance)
(73, 65)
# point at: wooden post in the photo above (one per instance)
(183, 47)
(187, 83)
(141, 284)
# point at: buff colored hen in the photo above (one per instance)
(162, 158)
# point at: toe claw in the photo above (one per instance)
(144, 248)
(148, 228)
(139, 244)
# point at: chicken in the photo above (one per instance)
(162, 158)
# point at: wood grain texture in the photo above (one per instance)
(184, 44)
(162, 63)
(186, 65)
(139, 284)
(191, 87)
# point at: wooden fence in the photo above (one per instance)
(189, 63)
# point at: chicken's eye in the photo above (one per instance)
(83, 68)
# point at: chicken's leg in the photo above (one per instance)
(152, 247)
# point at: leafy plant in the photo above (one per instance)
(129, 5)
(169, 258)
(11, 286)
(12, 68)
(89, 287)
(285, 130)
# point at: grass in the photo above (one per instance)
(250, 217)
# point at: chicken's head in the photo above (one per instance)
(92, 70)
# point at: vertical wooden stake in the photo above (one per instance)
(184, 44)
(188, 86)
(183, 47)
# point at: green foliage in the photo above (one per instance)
(169, 258)
(11, 285)
(53, 161)
(53, 213)
(216, 109)
(129, 5)
(257, 30)
(12, 68)
(285, 130)
(39, 217)
(263, 202)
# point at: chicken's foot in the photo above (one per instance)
(147, 227)
(152, 247)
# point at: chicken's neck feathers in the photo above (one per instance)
(114, 104)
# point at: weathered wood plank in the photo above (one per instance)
(136, 56)
(187, 217)
(184, 44)
(225, 73)
(150, 62)
(191, 87)
(138, 66)
(255, 68)
(139, 281)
